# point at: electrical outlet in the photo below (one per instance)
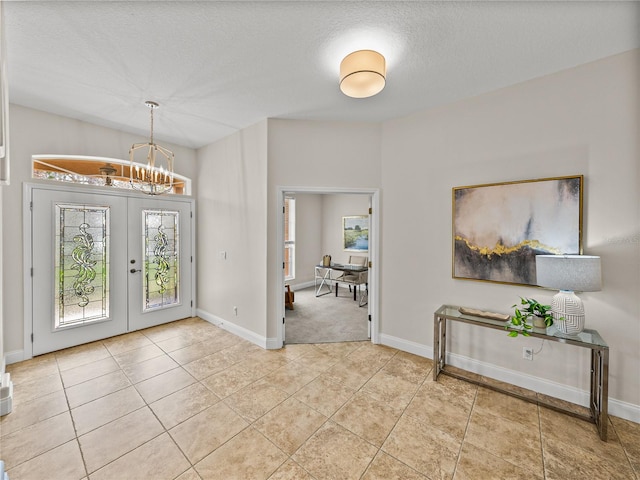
(235, 311)
(527, 353)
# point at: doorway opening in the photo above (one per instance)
(328, 305)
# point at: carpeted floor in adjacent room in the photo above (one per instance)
(326, 319)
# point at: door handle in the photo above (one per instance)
(133, 270)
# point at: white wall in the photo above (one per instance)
(309, 249)
(35, 132)
(334, 208)
(232, 218)
(2, 359)
(315, 154)
(580, 121)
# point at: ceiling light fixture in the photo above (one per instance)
(107, 170)
(362, 74)
(155, 176)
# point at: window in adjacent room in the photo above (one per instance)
(289, 238)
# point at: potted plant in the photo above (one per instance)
(529, 308)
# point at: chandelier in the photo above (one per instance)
(155, 175)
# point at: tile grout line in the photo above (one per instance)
(360, 389)
(510, 460)
(191, 465)
(77, 437)
(220, 400)
(380, 449)
(466, 429)
(146, 405)
(544, 464)
(252, 423)
(330, 418)
(73, 422)
(624, 449)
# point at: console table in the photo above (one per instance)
(591, 339)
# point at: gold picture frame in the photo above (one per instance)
(499, 228)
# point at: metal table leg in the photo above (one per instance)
(439, 344)
(364, 297)
(598, 401)
(325, 281)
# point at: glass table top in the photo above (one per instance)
(345, 267)
(586, 338)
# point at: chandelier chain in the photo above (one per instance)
(151, 136)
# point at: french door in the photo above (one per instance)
(104, 264)
(159, 246)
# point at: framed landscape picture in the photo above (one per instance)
(355, 233)
(499, 228)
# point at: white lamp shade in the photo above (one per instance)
(362, 74)
(578, 273)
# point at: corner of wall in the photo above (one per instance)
(239, 331)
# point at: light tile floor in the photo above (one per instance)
(191, 401)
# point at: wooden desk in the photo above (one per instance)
(591, 339)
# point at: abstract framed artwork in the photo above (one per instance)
(355, 233)
(499, 228)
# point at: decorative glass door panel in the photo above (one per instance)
(79, 255)
(161, 247)
(81, 264)
(160, 260)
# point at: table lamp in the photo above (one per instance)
(568, 273)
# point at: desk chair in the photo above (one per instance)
(357, 260)
(356, 279)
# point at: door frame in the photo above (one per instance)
(374, 242)
(27, 245)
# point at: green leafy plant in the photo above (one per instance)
(528, 308)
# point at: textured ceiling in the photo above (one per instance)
(216, 67)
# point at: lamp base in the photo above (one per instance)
(568, 312)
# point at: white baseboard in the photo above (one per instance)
(6, 394)
(617, 408)
(406, 345)
(15, 357)
(264, 342)
(273, 344)
(300, 286)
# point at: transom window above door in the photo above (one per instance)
(99, 171)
